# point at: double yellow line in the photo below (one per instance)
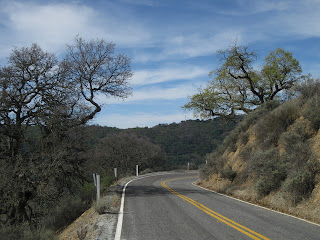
(252, 234)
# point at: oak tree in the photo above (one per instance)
(238, 86)
(37, 91)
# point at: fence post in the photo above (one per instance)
(98, 187)
(96, 180)
(137, 170)
(115, 173)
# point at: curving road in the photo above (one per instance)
(169, 206)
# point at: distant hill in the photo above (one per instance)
(188, 141)
(272, 157)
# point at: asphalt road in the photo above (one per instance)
(170, 207)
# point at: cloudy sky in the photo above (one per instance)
(172, 43)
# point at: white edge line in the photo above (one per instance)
(301, 219)
(120, 217)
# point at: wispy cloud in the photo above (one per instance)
(172, 73)
(155, 93)
(53, 25)
(140, 119)
(191, 45)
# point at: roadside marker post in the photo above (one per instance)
(137, 170)
(188, 166)
(96, 180)
(98, 187)
(115, 173)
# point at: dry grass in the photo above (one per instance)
(309, 210)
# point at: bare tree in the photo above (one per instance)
(54, 96)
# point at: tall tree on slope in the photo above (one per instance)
(238, 86)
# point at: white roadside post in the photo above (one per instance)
(206, 162)
(96, 180)
(188, 166)
(115, 173)
(98, 187)
(137, 170)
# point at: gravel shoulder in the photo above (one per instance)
(92, 226)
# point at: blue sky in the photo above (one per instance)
(172, 43)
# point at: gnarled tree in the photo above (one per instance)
(36, 89)
(238, 86)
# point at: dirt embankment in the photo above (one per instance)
(94, 226)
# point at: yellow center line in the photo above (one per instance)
(252, 234)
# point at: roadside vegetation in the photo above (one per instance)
(273, 156)
(44, 103)
(48, 151)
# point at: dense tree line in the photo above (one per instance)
(188, 141)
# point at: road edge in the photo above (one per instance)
(301, 219)
(120, 216)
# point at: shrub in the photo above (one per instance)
(204, 172)
(216, 162)
(229, 174)
(67, 210)
(147, 170)
(312, 111)
(299, 186)
(270, 170)
(106, 182)
(244, 138)
(107, 203)
(23, 232)
(269, 128)
(101, 206)
(88, 192)
(271, 182)
(309, 88)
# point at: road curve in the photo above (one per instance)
(168, 206)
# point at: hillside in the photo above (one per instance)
(188, 141)
(272, 157)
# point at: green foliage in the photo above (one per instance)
(65, 212)
(269, 128)
(237, 86)
(204, 172)
(188, 141)
(271, 171)
(106, 182)
(299, 186)
(275, 128)
(101, 206)
(312, 111)
(229, 174)
(23, 232)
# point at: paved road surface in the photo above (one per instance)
(170, 207)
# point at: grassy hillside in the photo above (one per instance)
(272, 157)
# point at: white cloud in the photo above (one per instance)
(139, 119)
(155, 93)
(184, 72)
(53, 25)
(251, 7)
(303, 19)
(192, 45)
